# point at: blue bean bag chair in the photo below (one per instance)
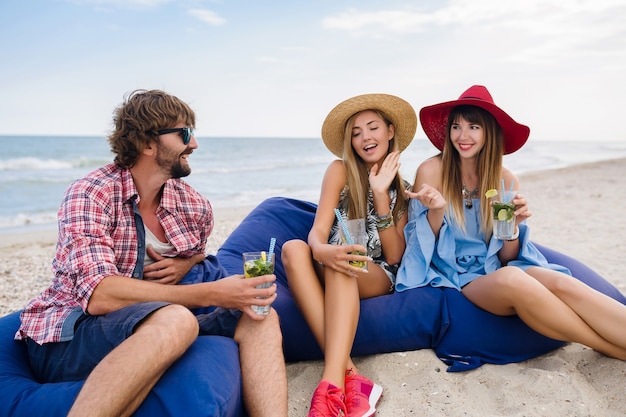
(462, 335)
(206, 381)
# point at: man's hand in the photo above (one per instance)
(167, 270)
(241, 293)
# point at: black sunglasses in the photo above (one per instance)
(185, 132)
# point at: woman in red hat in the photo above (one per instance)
(449, 232)
(367, 134)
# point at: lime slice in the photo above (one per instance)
(491, 193)
(503, 214)
(263, 256)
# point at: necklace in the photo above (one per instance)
(468, 195)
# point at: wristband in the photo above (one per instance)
(384, 222)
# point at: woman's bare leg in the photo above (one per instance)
(603, 314)
(512, 291)
(305, 286)
(341, 308)
(332, 311)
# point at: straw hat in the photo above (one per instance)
(434, 119)
(400, 113)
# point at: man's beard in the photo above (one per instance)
(179, 171)
(172, 164)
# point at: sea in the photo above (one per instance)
(231, 172)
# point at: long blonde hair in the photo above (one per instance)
(489, 165)
(357, 175)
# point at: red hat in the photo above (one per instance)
(434, 119)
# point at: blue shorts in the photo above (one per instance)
(95, 336)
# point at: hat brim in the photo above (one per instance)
(400, 113)
(434, 120)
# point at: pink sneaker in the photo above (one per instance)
(362, 395)
(327, 401)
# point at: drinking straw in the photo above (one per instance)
(512, 182)
(503, 187)
(344, 227)
(271, 250)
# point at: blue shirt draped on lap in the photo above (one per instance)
(457, 256)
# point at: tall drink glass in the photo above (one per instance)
(256, 264)
(358, 233)
(504, 215)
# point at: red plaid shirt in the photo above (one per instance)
(98, 238)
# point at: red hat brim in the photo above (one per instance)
(434, 119)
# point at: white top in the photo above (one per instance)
(158, 246)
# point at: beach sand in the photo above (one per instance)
(576, 210)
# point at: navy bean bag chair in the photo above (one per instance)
(462, 335)
(206, 380)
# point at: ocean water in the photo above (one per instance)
(230, 172)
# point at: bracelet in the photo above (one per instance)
(384, 222)
(515, 235)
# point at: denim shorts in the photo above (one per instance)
(96, 336)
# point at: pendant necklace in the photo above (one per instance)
(468, 195)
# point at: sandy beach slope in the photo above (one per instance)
(576, 210)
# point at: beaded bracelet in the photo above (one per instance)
(384, 222)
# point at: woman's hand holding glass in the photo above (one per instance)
(522, 211)
(338, 257)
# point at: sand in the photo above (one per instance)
(576, 210)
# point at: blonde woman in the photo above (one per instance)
(367, 133)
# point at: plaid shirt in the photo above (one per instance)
(98, 239)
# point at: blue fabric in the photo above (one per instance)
(207, 270)
(206, 381)
(462, 335)
(94, 338)
(457, 256)
(507, 339)
(389, 323)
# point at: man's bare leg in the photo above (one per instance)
(262, 366)
(118, 385)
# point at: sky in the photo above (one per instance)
(276, 68)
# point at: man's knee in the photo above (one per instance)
(173, 319)
(268, 328)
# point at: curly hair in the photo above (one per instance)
(138, 119)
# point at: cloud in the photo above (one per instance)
(123, 3)
(373, 23)
(538, 31)
(268, 59)
(207, 16)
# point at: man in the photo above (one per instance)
(136, 218)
